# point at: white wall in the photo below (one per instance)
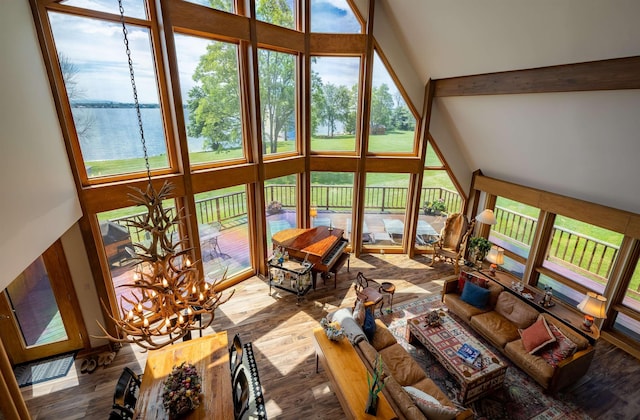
(39, 201)
(584, 144)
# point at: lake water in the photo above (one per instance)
(113, 133)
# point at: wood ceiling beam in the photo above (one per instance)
(614, 74)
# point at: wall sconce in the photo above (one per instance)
(496, 258)
(592, 306)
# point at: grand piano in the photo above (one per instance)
(322, 246)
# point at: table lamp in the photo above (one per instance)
(487, 217)
(496, 258)
(592, 306)
(313, 212)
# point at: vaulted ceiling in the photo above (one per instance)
(580, 144)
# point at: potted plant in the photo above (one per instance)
(478, 248)
(434, 207)
(274, 207)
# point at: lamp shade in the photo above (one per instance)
(496, 255)
(313, 212)
(487, 217)
(593, 304)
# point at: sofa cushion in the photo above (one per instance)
(401, 365)
(495, 289)
(495, 327)
(427, 385)
(581, 342)
(466, 276)
(383, 338)
(358, 312)
(534, 365)
(475, 295)
(515, 310)
(558, 351)
(369, 326)
(429, 406)
(351, 329)
(369, 353)
(401, 399)
(536, 336)
(460, 307)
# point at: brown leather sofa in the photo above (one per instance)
(499, 322)
(400, 370)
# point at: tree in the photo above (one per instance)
(277, 95)
(336, 106)
(83, 118)
(381, 106)
(214, 104)
(317, 101)
(401, 117)
(352, 111)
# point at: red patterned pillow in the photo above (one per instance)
(560, 350)
(470, 277)
(536, 336)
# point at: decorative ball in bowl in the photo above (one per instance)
(433, 318)
(333, 329)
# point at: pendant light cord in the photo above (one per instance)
(135, 91)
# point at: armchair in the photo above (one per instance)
(453, 240)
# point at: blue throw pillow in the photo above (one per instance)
(369, 326)
(475, 295)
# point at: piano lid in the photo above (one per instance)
(315, 241)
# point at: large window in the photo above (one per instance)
(391, 124)
(514, 232)
(385, 208)
(439, 198)
(281, 198)
(211, 98)
(98, 85)
(334, 103)
(277, 12)
(277, 101)
(334, 16)
(223, 227)
(582, 252)
(332, 200)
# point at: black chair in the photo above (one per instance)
(235, 356)
(125, 395)
(240, 394)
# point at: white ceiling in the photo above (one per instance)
(584, 144)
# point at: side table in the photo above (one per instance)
(390, 289)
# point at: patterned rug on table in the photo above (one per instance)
(521, 397)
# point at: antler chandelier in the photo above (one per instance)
(171, 296)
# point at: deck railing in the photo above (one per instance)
(574, 249)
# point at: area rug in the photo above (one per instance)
(521, 398)
(43, 370)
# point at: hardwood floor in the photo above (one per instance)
(281, 333)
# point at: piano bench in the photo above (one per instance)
(338, 265)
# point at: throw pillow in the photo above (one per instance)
(369, 326)
(430, 407)
(536, 336)
(470, 277)
(560, 350)
(358, 312)
(475, 295)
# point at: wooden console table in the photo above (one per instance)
(210, 356)
(348, 377)
(571, 318)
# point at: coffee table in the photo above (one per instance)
(444, 341)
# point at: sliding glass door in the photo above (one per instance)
(37, 312)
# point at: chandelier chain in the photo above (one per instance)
(135, 90)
